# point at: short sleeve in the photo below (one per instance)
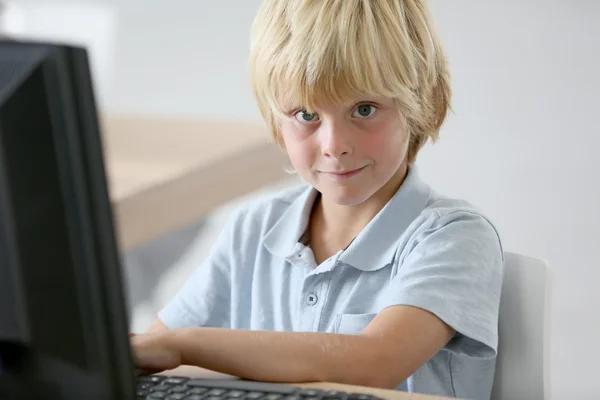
(455, 271)
(204, 300)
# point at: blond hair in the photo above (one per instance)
(323, 51)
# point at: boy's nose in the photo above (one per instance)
(335, 142)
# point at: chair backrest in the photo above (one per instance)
(522, 369)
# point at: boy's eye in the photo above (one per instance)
(364, 111)
(304, 116)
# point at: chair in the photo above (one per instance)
(522, 368)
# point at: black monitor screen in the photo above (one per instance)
(63, 327)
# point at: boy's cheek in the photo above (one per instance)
(301, 152)
(381, 147)
(302, 160)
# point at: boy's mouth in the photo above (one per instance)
(344, 174)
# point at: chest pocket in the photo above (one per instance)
(353, 324)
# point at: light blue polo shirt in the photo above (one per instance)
(422, 249)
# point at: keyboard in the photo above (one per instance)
(152, 387)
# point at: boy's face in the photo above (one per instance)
(348, 152)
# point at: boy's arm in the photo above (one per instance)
(392, 347)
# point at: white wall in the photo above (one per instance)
(186, 58)
(521, 145)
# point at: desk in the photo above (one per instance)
(200, 373)
(165, 173)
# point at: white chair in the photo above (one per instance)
(523, 364)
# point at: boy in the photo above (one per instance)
(365, 275)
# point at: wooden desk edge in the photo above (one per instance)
(200, 373)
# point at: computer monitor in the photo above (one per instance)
(63, 324)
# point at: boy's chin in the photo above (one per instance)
(346, 196)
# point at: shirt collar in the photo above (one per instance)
(282, 239)
(376, 245)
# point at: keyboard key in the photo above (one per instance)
(311, 393)
(151, 378)
(216, 392)
(195, 397)
(234, 394)
(160, 388)
(334, 395)
(174, 381)
(175, 396)
(196, 391)
(254, 395)
(178, 389)
(158, 395)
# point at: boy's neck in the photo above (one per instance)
(335, 226)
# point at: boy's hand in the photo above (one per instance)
(153, 353)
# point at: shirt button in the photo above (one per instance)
(312, 299)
